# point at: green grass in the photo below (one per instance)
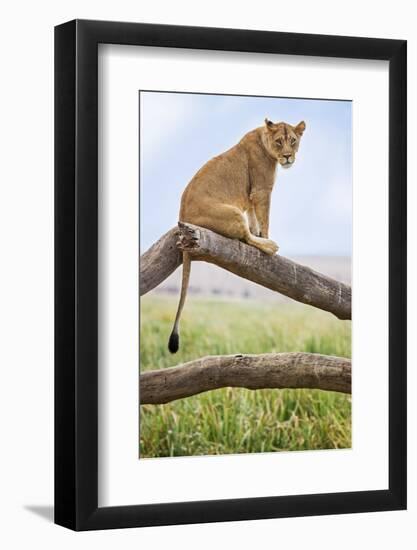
(234, 420)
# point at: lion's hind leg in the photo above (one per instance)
(231, 222)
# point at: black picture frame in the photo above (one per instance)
(76, 272)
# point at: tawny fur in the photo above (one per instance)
(231, 193)
(240, 181)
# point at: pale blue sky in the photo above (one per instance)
(311, 211)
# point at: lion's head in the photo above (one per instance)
(282, 141)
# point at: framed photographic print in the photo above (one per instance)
(230, 254)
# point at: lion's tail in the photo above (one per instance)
(174, 339)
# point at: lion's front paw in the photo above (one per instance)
(270, 247)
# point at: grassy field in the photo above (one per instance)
(234, 420)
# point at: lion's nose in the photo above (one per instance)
(287, 156)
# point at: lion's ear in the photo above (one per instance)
(270, 125)
(299, 129)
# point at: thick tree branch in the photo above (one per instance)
(275, 272)
(269, 370)
(157, 263)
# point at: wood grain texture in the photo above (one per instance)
(269, 370)
(157, 263)
(277, 273)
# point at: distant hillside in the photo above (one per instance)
(210, 280)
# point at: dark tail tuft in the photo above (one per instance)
(174, 339)
(174, 342)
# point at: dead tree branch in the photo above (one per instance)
(157, 263)
(277, 273)
(269, 370)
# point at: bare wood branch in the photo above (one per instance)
(277, 273)
(269, 370)
(157, 263)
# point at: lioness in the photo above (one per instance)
(231, 193)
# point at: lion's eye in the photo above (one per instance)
(293, 141)
(279, 142)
